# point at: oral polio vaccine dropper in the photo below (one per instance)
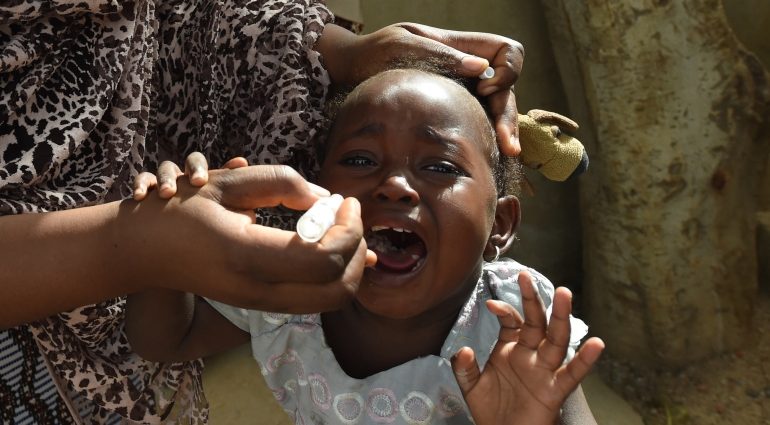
(316, 221)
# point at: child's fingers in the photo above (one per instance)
(168, 172)
(510, 320)
(197, 169)
(143, 183)
(466, 369)
(236, 162)
(569, 376)
(554, 348)
(533, 330)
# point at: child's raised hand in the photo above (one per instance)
(524, 380)
(196, 168)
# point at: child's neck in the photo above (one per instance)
(365, 344)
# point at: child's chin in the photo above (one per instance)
(391, 308)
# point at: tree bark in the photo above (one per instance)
(672, 109)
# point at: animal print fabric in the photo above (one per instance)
(93, 91)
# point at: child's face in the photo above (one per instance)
(413, 148)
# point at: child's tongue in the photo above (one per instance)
(403, 260)
(398, 257)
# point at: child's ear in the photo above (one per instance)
(507, 219)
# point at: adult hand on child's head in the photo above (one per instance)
(204, 241)
(525, 380)
(351, 59)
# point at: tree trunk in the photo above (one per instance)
(673, 111)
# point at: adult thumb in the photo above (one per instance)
(260, 186)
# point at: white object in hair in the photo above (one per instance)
(487, 74)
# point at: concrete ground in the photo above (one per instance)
(238, 395)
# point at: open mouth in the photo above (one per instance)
(398, 250)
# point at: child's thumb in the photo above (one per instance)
(466, 369)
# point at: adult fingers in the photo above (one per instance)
(346, 249)
(569, 376)
(236, 162)
(300, 277)
(502, 105)
(348, 229)
(554, 348)
(168, 172)
(533, 329)
(466, 369)
(312, 297)
(510, 320)
(285, 257)
(371, 258)
(427, 42)
(143, 183)
(197, 169)
(470, 53)
(262, 186)
(507, 64)
(504, 54)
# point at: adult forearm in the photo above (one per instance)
(53, 262)
(201, 241)
(157, 322)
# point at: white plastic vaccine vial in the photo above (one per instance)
(316, 221)
(487, 74)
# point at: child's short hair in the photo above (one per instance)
(507, 170)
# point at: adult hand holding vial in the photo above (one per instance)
(316, 221)
(488, 73)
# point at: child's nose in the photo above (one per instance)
(397, 189)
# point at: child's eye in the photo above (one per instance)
(357, 161)
(445, 168)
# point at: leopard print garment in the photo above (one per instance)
(95, 90)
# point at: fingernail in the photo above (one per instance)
(318, 190)
(197, 174)
(474, 63)
(356, 206)
(486, 91)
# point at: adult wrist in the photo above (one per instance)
(128, 243)
(336, 46)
